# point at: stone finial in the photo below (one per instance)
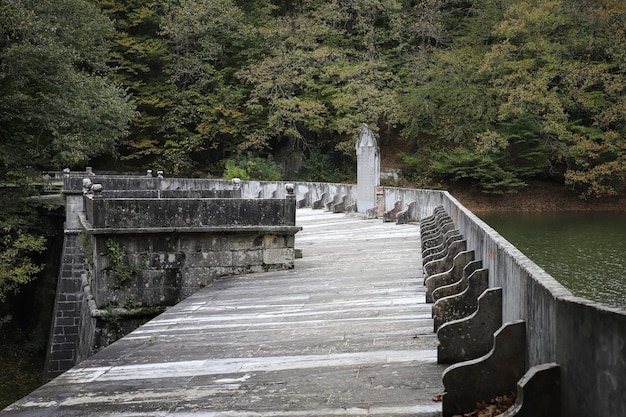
(89, 171)
(86, 185)
(290, 188)
(149, 173)
(236, 183)
(159, 174)
(66, 172)
(366, 138)
(97, 189)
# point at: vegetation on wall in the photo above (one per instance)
(119, 266)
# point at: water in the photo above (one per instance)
(585, 252)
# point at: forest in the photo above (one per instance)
(490, 94)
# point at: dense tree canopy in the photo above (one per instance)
(140, 57)
(491, 92)
(541, 92)
(58, 108)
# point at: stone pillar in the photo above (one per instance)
(290, 205)
(367, 170)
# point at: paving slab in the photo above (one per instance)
(345, 333)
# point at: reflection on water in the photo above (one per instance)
(585, 252)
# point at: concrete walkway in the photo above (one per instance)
(346, 333)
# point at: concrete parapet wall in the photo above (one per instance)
(586, 339)
(424, 201)
(144, 213)
(307, 191)
(227, 193)
(74, 183)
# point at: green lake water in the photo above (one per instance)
(585, 252)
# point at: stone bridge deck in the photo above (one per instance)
(346, 332)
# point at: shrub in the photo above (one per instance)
(250, 167)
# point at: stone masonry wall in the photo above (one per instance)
(185, 212)
(69, 306)
(139, 255)
(162, 269)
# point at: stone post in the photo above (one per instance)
(290, 205)
(367, 169)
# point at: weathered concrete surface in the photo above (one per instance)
(449, 277)
(344, 333)
(538, 393)
(482, 379)
(471, 337)
(463, 304)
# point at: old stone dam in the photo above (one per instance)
(186, 297)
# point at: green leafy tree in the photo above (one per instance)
(325, 73)
(210, 40)
(16, 266)
(534, 87)
(140, 56)
(59, 108)
(327, 165)
(247, 167)
(558, 61)
(499, 161)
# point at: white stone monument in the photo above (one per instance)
(367, 169)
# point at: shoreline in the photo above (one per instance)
(537, 197)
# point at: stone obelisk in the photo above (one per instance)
(367, 169)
